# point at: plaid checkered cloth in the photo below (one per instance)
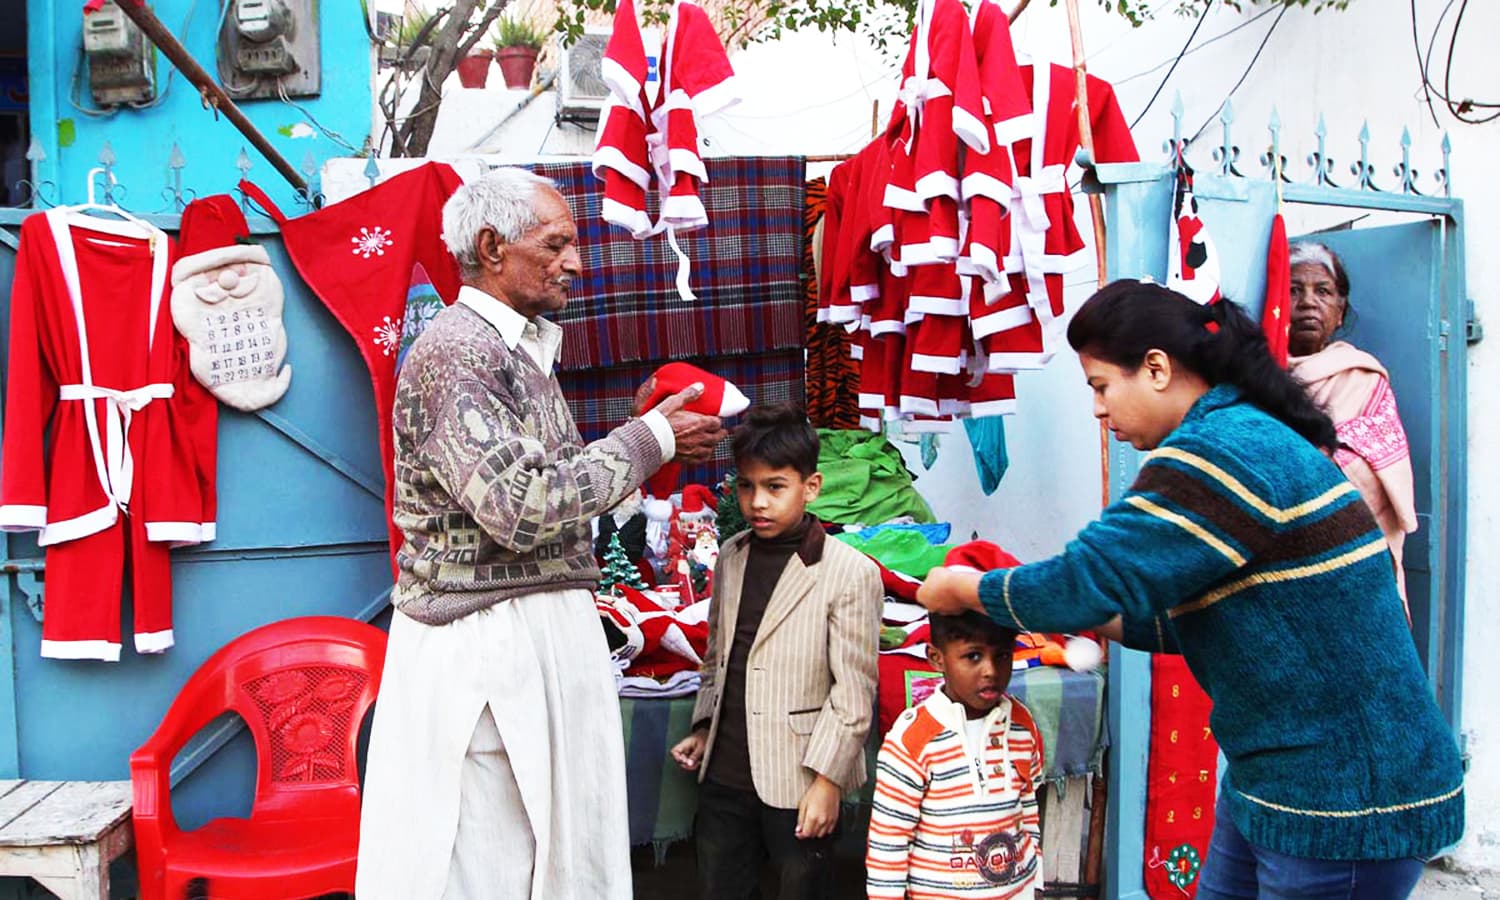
(603, 398)
(745, 271)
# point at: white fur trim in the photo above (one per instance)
(718, 97)
(1014, 129)
(684, 211)
(178, 534)
(941, 365)
(933, 184)
(882, 237)
(1017, 362)
(188, 266)
(683, 160)
(79, 526)
(938, 306)
(982, 408)
(734, 402)
(22, 517)
(1000, 320)
(886, 326)
(634, 221)
(610, 157)
(624, 86)
(154, 641)
(104, 651)
(983, 184)
(971, 130)
(863, 293)
(903, 199)
(918, 406)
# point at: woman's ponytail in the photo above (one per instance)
(1126, 319)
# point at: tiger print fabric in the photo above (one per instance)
(832, 376)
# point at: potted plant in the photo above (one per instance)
(474, 69)
(517, 43)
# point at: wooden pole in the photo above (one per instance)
(213, 95)
(1093, 860)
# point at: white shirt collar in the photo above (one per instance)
(545, 338)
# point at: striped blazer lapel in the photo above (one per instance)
(796, 582)
(732, 575)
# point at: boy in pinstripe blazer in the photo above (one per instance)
(788, 686)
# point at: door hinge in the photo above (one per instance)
(28, 574)
(1445, 328)
(1473, 328)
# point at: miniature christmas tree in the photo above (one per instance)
(618, 569)
(730, 521)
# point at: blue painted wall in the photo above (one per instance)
(142, 139)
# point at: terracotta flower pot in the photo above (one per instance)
(474, 69)
(516, 65)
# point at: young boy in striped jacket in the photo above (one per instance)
(955, 811)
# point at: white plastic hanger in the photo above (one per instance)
(130, 227)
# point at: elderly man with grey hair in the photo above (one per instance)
(496, 767)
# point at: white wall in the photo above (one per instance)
(813, 95)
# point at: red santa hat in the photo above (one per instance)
(624, 66)
(696, 498)
(213, 234)
(697, 64)
(719, 398)
(979, 556)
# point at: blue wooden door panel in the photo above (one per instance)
(1396, 303)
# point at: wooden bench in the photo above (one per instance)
(64, 834)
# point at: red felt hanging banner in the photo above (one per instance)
(1181, 777)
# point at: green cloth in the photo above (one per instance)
(865, 481)
(907, 552)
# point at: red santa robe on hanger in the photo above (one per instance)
(1045, 242)
(103, 418)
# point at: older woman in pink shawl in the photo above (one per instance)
(1353, 387)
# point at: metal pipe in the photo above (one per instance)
(213, 95)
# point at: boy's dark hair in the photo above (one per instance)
(778, 435)
(969, 625)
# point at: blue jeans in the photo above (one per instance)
(1236, 868)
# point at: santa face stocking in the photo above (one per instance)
(358, 256)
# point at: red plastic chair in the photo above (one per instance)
(303, 687)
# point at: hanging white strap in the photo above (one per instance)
(119, 463)
(684, 267)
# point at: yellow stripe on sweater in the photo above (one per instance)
(1188, 525)
(1375, 546)
(1274, 513)
(1356, 813)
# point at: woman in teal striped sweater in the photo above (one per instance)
(1242, 547)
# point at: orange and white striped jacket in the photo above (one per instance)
(952, 822)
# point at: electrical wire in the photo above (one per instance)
(1246, 74)
(307, 114)
(1203, 46)
(1459, 109)
(1202, 17)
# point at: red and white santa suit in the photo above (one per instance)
(1045, 242)
(622, 159)
(126, 469)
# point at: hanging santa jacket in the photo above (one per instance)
(93, 352)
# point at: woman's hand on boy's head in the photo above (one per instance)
(949, 592)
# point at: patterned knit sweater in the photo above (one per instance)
(946, 823)
(494, 488)
(1244, 546)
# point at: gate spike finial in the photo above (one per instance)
(1227, 153)
(372, 169)
(1443, 173)
(1272, 159)
(1404, 172)
(35, 152)
(1362, 171)
(176, 162)
(1322, 165)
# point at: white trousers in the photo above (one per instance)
(497, 762)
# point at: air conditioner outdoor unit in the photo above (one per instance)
(581, 92)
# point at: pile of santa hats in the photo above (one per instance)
(658, 651)
(642, 143)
